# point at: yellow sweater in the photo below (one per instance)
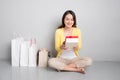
(59, 39)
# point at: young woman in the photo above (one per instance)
(68, 59)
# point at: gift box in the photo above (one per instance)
(71, 41)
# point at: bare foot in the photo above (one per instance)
(81, 70)
(58, 70)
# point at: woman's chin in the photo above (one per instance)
(69, 26)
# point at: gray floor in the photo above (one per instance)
(98, 71)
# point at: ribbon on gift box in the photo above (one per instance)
(71, 36)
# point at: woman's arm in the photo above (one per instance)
(57, 40)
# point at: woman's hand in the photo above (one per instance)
(63, 47)
(75, 48)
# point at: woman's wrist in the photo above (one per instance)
(63, 47)
(75, 48)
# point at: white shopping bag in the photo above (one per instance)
(15, 51)
(43, 58)
(24, 53)
(32, 53)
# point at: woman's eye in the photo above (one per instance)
(67, 19)
(72, 20)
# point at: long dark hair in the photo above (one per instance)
(64, 15)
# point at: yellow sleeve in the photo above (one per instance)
(58, 42)
(80, 39)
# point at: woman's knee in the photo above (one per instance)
(56, 63)
(51, 62)
(89, 61)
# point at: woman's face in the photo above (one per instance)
(68, 21)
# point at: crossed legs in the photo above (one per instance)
(75, 65)
(73, 68)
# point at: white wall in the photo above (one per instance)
(99, 21)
